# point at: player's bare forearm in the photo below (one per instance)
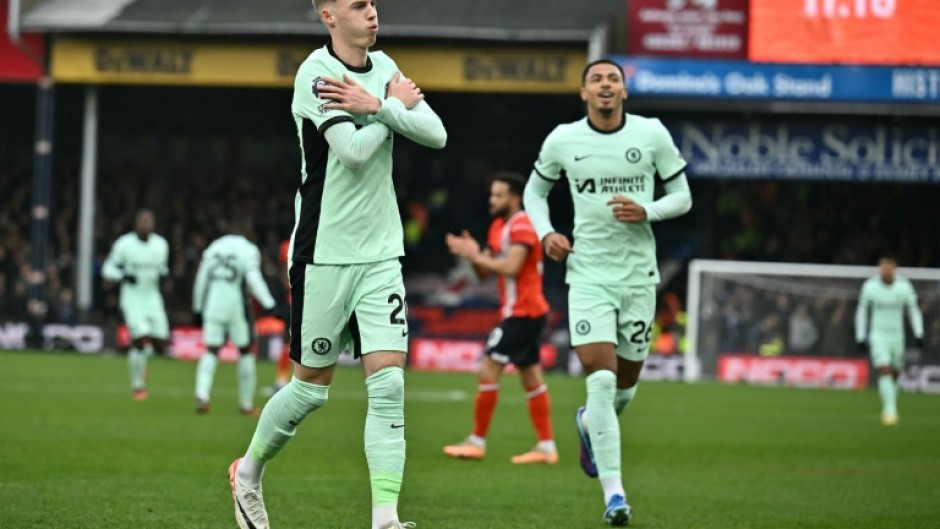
(510, 262)
(500, 266)
(481, 271)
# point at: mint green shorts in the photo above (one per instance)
(622, 316)
(887, 351)
(238, 329)
(146, 322)
(333, 307)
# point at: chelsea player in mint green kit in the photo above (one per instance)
(886, 296)
(349, 106)
(229, 264)
(612, 161)
(138, 260)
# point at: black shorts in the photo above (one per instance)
(517, 340)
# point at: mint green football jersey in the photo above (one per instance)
(598, 166)
(147, 261)
(343, 215)
(227, 265)
(887, 304)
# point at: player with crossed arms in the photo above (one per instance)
(612, 161)
(345, 275)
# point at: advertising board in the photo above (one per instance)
(888, 32)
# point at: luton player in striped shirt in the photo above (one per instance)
(514, 252)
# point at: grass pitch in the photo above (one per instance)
(77, 452)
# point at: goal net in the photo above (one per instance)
(790, 324)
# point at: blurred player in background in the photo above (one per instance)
(282, 376)
(515, 254)
(138, 260)
(227, 265)
(345, 274)
(886, 296)
(612, 161)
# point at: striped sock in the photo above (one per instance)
(540, 407)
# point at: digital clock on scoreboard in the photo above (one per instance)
(883, 9)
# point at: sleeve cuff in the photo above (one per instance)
(333, 121)
(676, 174)
(543, 177)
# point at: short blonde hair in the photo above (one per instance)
(317, 4)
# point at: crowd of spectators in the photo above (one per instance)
(773, 315)
(191, 209)
(832, 223)
(195, 178)
(766, 221)
(193, 204)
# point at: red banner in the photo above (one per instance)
(688, 28)
(800, 371)
(186, 342)
(888, 32)
(459, 355)
(15, 65)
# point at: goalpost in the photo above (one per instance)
(785, 310)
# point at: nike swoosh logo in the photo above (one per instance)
(579, 158)
(404, 333)
(398, 426)
(245, 515)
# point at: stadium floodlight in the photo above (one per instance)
(781, 309)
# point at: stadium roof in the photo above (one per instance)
(497, 20)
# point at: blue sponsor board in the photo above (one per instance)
(743, 80)
(809, 149)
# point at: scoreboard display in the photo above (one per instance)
(882, 32)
